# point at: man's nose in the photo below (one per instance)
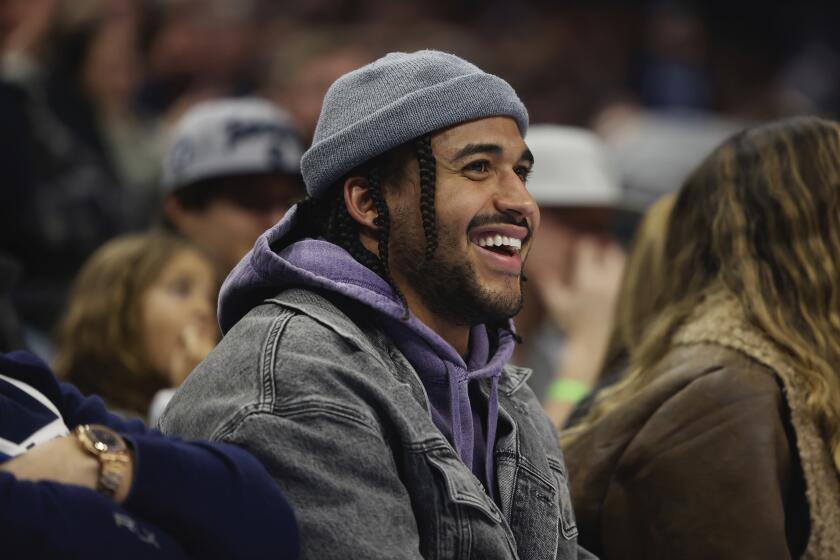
(514, 199)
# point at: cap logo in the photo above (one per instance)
(181, 155)
(237, 131)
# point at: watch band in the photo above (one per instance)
(112, 469)
(110, 450)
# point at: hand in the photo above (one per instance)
(582, 307)
(552, 253)
(64, 461)
(194, 345)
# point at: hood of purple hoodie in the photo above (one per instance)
(314, 263)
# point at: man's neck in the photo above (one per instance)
(458, 336)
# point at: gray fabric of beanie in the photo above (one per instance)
(395, 99)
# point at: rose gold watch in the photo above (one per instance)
(110, 449)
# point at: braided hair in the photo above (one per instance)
(329, 218)
(426, 160)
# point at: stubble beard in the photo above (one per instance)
(447, 283)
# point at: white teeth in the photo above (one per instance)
(499, 240)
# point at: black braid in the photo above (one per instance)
(383, 220)
(329, 218)
(343, 230)
(426, 160)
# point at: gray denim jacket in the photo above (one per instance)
(340, 419)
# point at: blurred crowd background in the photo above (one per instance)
(90, 89)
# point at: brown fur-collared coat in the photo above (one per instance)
(715, 459)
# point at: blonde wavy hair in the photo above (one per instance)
(101, 348)
(760, 217)
(640, 294)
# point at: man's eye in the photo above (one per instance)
(523, 172)
(480, 166)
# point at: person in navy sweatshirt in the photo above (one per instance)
(79, 482)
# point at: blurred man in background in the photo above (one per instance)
(232, 170)
(575, 268)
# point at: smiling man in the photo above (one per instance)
(367, 333)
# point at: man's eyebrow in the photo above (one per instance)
(527, 156)
(471, 149)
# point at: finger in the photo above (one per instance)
(198, 344)
(589, 261)
(189, 336)
(614, 257)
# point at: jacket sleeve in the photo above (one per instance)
(51, 520)
(708, 476)
(216, 499)
(350, 504)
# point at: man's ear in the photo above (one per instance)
(360, 204)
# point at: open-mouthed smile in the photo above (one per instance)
(500, 246)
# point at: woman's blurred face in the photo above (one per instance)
(178, 315)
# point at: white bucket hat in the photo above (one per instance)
(571, 168)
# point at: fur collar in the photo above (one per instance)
(720, 319)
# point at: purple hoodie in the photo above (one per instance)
(313, 263)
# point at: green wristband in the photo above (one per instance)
(567, 390)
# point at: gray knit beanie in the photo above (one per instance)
(395, 99)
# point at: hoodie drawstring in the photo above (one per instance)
(455, 410)
(492, 424)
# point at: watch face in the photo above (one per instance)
(106, 439)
